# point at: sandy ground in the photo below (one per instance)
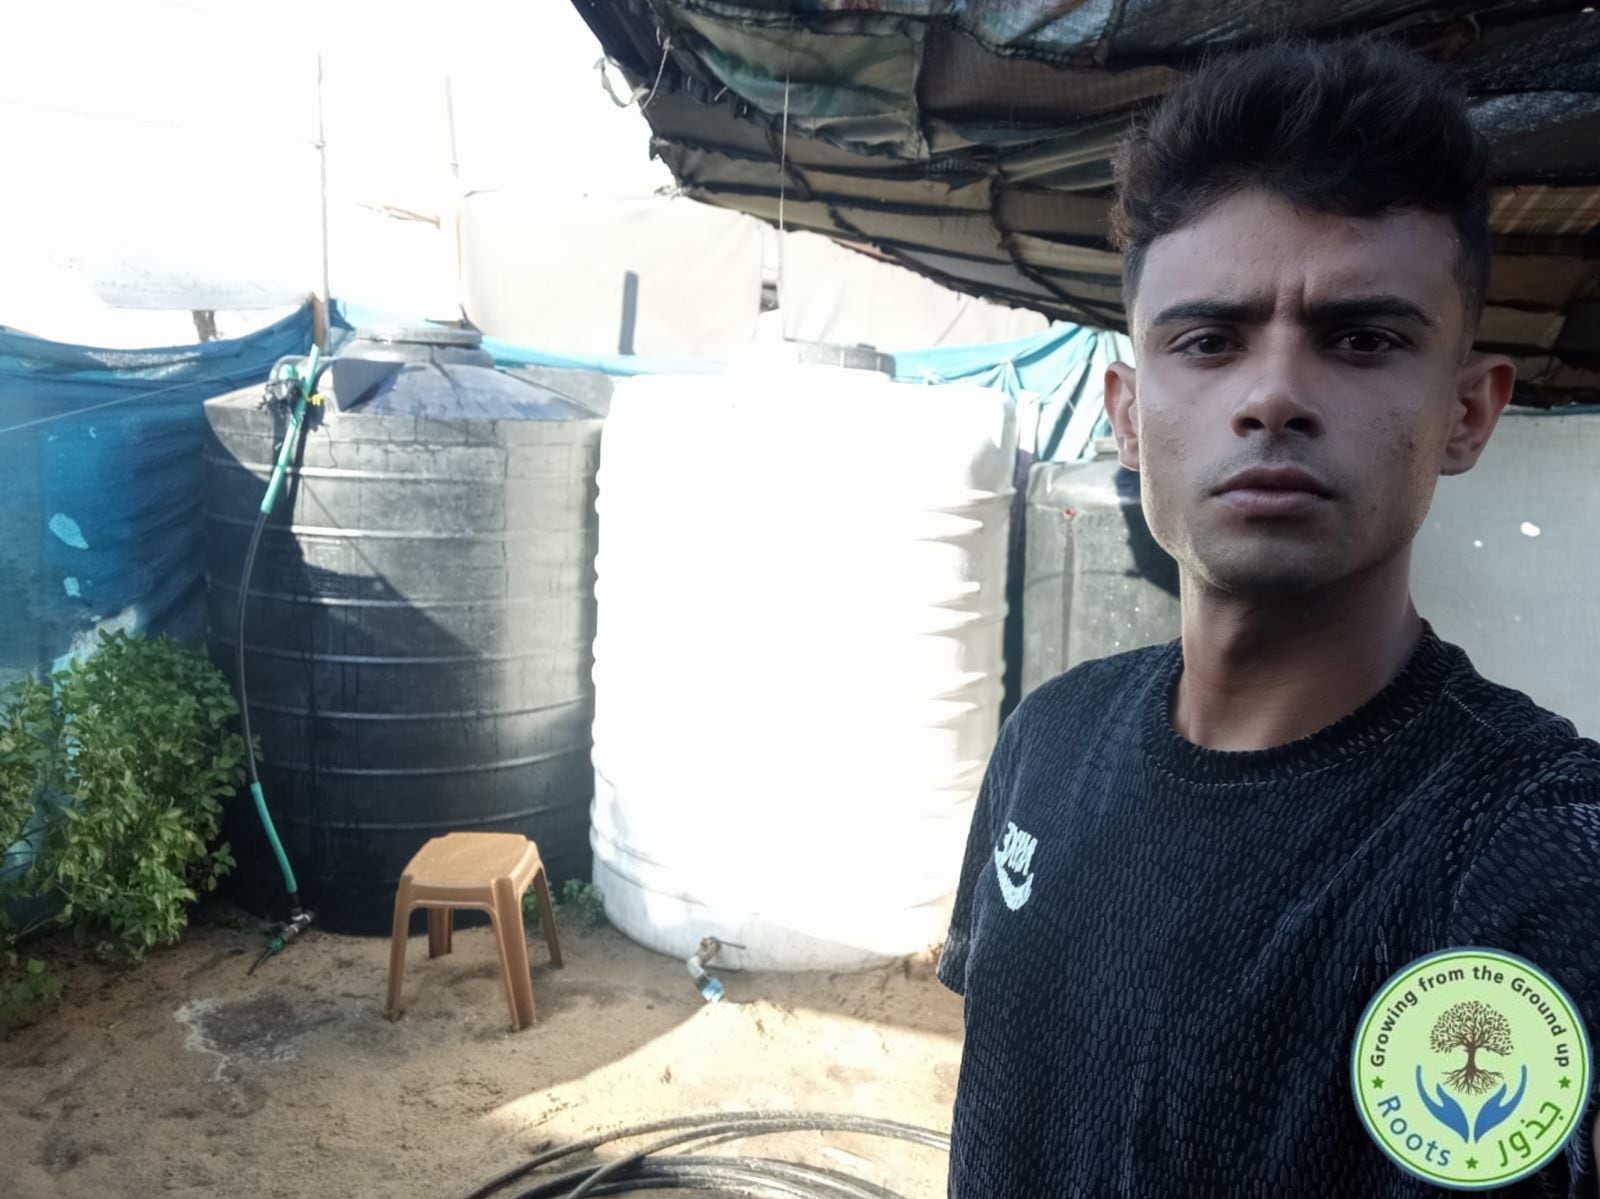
(184, 1077)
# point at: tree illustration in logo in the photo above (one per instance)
(1477, 1028)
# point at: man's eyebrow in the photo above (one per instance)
(1379, 307)
(1319, 312)
(1223, 311)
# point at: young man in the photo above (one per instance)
(1192, 866)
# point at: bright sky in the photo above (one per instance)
(161, 152)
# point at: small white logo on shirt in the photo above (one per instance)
(1015, 855)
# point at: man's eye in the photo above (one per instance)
(1365, 341)
(1205, 346)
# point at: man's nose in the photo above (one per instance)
(1276, 398)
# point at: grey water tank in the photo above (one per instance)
(420, 618)
(1095, 582)
(419, 344)
(592, 389)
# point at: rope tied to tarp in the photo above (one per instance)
(600, 65)
(666, 49)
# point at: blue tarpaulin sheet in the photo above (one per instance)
(100, 462)
(1063, 366)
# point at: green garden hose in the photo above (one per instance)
(305, 393)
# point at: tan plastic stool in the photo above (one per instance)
(487, 872)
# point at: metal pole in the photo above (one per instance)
(455, 184)
(320, 306)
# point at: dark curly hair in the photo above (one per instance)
(1359, 127)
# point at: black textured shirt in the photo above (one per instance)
(1165, 950)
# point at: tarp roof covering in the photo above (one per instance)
(971, 139)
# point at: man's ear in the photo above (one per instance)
(1122, 394)
(1483, 389)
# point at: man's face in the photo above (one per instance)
(1323, 350)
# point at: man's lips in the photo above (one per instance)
(1273, 491)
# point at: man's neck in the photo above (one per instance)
(1260, 672)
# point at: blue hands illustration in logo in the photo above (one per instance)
(1494, 1112)
(1447, 1111)
(1491, 1115)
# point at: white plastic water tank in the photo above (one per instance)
(801, 586)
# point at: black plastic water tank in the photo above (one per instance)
(420, 619)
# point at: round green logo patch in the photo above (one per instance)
(1471, 1068)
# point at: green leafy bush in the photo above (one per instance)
(585, 901)
(27, 763)
(136, 744)
(28, 760)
